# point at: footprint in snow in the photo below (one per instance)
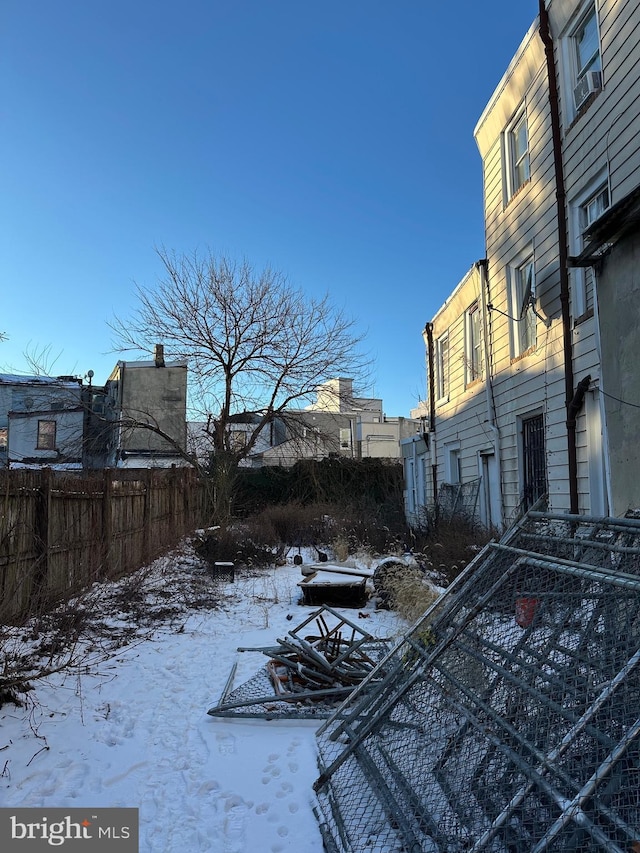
(226, 743)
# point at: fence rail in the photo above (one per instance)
(60, 533)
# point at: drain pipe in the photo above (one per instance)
(545, 35)
(428, 337)
(578, 398)
(483, 268)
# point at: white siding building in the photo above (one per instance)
(522, 353)
(41, 421)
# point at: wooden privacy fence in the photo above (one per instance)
(60, 533)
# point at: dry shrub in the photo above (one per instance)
(290, 525)
(348, 529)
(445, 549)
(234, 545)
(411, 594)
(340, 547)
(404, 589)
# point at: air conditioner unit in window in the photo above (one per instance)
(591, 82)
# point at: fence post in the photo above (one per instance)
(42, 533)
(146, 522)
(107, 497)
(173, 503)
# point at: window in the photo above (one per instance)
(237, 439)
(594, 207)
(587, 45)
(584, 210)
(345, 438)
(517, 169)
(46, 435)
(582, 61)
(4, 435)
(523, 318)
(452, 464)
(473, 344)
(442, 367)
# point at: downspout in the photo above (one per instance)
(578, 398)
(428, 334)
(482, 266)
(572, 410)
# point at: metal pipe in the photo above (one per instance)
(556, 136)
(573, 809)
(428, 336)
(608, 521)
(584, 544)
(572, 567)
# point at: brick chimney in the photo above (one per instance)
(158, 355)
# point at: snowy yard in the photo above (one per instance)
(131, 728)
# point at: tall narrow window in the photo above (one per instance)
(4, 433)
(587, 45)
(46, 435)
(474, 343)
(452, 463)
(582, 59)
(523, 322)
(590, 206)
(442, 367)
(517, 166)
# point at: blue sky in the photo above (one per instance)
(331, 140)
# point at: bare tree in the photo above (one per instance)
(41, 360)
(254, 344)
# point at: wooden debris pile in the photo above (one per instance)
(316, 665)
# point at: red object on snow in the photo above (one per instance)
(525, 611)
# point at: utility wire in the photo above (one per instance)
(618, 400)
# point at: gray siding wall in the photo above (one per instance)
(602, 139)
(531, 383)
(156, 395)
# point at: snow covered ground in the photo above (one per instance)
(130, 728)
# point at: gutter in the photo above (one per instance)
(570, 398)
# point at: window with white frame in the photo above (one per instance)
(585, 209)
(587, 44)
(594, 207)
(521, 295)
(582, 59)
(442, 367)
(473, 343)
(452, 463)
(516, 148)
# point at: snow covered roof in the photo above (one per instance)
(21, 379)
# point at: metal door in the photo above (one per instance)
(534, 460)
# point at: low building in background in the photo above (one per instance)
(338, 424)
(41, 421)
(145, 407)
